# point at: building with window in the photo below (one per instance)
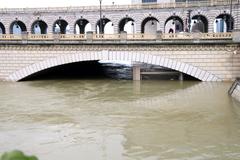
(163, 1)
(151, 1)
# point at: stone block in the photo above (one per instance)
(89, 36)
(236, 36)
(123, 36)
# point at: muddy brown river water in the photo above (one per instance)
(120, 120)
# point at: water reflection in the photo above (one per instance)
(104, 119)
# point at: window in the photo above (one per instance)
(149, 1)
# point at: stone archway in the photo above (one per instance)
(173, 24)
(149, 25)
(106, 55)
(224, 23)
(124, 25)
(39, 27)
(17, 27)
(61, 26)
(199, 24)
(2, 28)
(104, 23)
(81, 25)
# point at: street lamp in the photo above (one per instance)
(100, 22)
(16, 23)
(230, 20)
(189, 19)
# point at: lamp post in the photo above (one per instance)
(132, 27)
(16, 23)
(230, 20)
(59, 25)
(100, 22)
(189, 19)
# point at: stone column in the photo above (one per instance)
(93, 27)
(181, 76)
(89, 36)
(138, 27)
(123, 36)
(72, 28)
(159, 35)
(50, 29)
(136, 72)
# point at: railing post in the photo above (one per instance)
(159, 35)
(123, 36)
(56, 36)
(89, 36)
(24, 36)
(236, 36)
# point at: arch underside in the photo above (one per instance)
(186, 68)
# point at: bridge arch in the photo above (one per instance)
(39, 27)
(199, 23)
(224, 23)
(80, 26)
(125, 22)
(61, 26)
(150, 25)
(2, 28)
(105, 22)
(17, 27)
(173, 24)
(142, 57)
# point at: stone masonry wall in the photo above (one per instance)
(208, 63)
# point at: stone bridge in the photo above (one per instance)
(199, 39)
(207, 59)
(203, 16)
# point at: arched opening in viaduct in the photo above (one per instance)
(165, 62)
(150, 25)
(2, 29)
(39, 27)
(61, 26)
(127, 24)
(76, 70)
(223, 23)
(82, 26)
(105, 26)
(173, 24)
(17, 27)
(199, 24)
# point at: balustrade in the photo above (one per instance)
(106, 37)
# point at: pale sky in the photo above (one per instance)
(56, 3)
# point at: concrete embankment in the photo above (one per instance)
(235, 90)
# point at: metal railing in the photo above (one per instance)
(126, 7)
(106, 37)
(234, 85)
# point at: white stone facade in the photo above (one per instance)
(206, 63)
(115, 15)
